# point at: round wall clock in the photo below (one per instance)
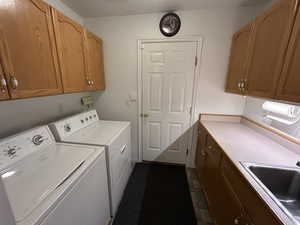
(170, 24)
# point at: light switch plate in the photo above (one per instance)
(132, 96)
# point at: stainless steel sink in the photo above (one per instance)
(282, 184)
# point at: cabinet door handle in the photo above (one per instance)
(3, 85)
(203, 153)
(239, 85)
(14, 82)
(245, 82)
(210, 147)
(237, 221)
(89, 82)
(123, 149)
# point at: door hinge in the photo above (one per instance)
(187, 151)
(196, 61)
(191, 110)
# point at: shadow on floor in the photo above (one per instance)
(158, 194)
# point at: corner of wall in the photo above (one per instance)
(59, 5)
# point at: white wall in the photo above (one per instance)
(18, 115)
(65, 10)
(253, 110)
(120, 35)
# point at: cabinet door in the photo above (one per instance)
(3, 84)
(200, 153)
(271, 36)
(209, 179)
(211, 185)
(71, 49)
(234, 213)
(95, 61)
(31, 59)
(288, 88)
(4, 95)
(238, 59)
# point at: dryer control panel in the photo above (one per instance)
(15, 148)
(66, 127)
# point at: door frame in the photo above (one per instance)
(199, 42)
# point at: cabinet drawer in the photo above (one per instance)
(213, 149)
(255, 207)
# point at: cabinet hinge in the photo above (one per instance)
(196, 61)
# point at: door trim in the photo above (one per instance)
(199, 42)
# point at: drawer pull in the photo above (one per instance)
(203, 153)
(123, 149)
(236, 221)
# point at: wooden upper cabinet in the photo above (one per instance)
(3, 84)
(30, 57)
(4, 95)
(238, 59)
(95, 62)
(271, 36)
(71, 48)
(288, 88)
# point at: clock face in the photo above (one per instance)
(170, 24)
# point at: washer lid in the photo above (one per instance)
(100, 133)
(32, 179)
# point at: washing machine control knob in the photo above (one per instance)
(67, 127)
(37, 139)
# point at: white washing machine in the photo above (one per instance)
(53, 183)
(87, 129)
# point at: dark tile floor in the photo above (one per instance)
(199, 201)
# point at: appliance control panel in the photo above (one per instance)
(64, 128)
(15, 148)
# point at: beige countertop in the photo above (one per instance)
(244, 144)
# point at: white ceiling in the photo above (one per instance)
(100, 8)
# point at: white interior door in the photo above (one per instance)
(168, 70)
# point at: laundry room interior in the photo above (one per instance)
(149, 112)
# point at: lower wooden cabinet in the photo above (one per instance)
(231, 198)
(200, 153)
(230, 209)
